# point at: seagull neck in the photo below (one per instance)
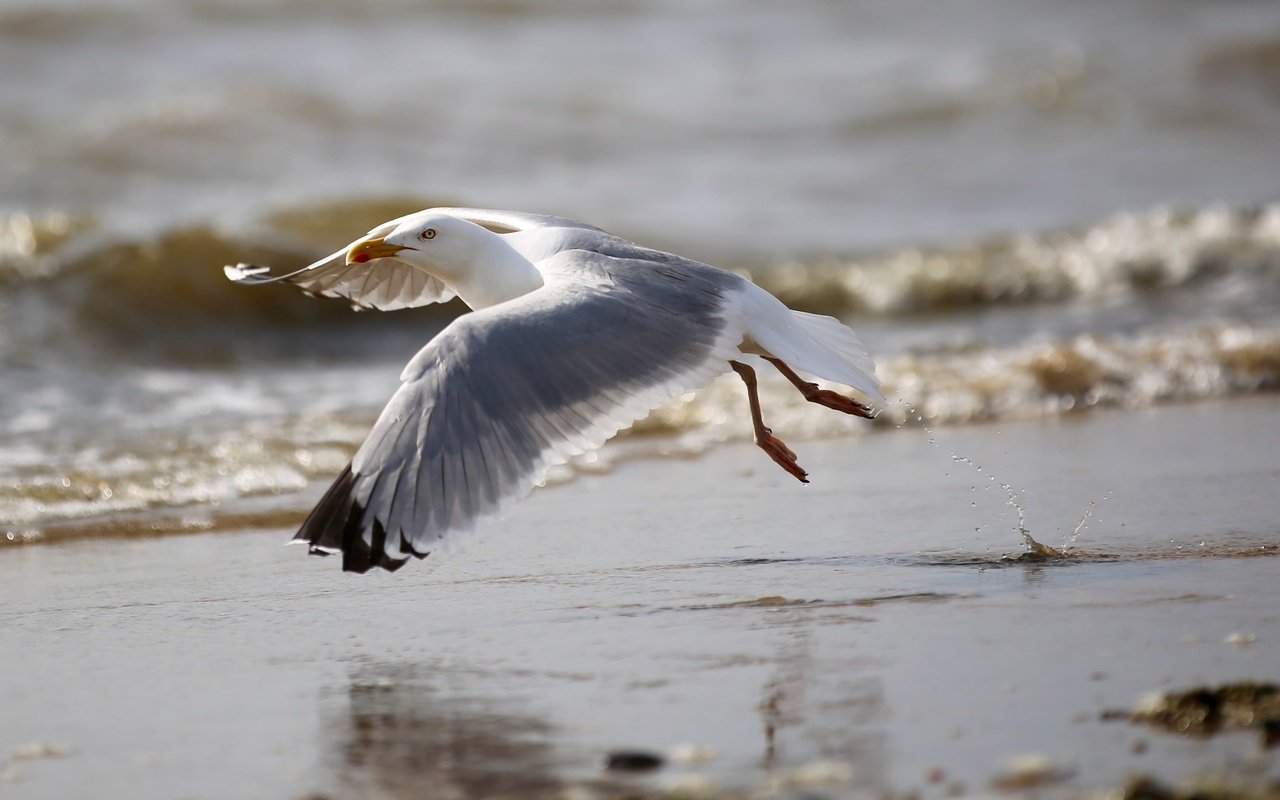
(495, 274)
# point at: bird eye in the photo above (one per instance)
(429, 233)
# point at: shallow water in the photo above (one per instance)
(855, 636)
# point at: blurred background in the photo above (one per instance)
(1025, 207)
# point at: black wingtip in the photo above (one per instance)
(337, 524)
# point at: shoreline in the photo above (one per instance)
(853, 636)
(287, 508)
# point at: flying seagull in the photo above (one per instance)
(574, 334)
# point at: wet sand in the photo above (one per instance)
(860, 636)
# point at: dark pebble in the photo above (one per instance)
(632, 760)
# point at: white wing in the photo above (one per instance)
(386, 283)
(504, 393)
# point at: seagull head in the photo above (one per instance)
(438, 243)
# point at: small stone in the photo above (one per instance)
(1240, 639)
(1143, 787)
(1028, 771)
(692, 754)
(1150, 703)
(1271, 732)
(34, 750)
(577, 793)
(822, 773)
(632, 761)
(691, 786)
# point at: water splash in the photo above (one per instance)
(1084, 520)
(1034, 549)
(1012, 496)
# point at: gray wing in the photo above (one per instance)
(503, 394)
(386, 284)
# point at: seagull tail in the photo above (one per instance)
(820, 345)
(337, 524)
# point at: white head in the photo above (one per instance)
(438, 243)
(478, 264)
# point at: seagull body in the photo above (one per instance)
(574, 334)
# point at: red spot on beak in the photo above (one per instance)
(360, 258)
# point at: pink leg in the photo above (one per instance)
(782, 455)
(823, 397)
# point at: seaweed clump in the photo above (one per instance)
(1147, 788)
(1204, 711)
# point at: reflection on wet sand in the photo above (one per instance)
(821, 726)
(426, 730)
(401, 735)
(808, 690)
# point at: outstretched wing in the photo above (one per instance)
(504, 393)
(385, 283)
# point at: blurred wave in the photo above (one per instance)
(1129, 253)
(145, 393)
(164, 297)
(127, 294)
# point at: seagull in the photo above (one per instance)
(573, 334)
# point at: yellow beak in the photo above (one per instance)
(369, 249)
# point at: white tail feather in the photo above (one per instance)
(821, 346)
